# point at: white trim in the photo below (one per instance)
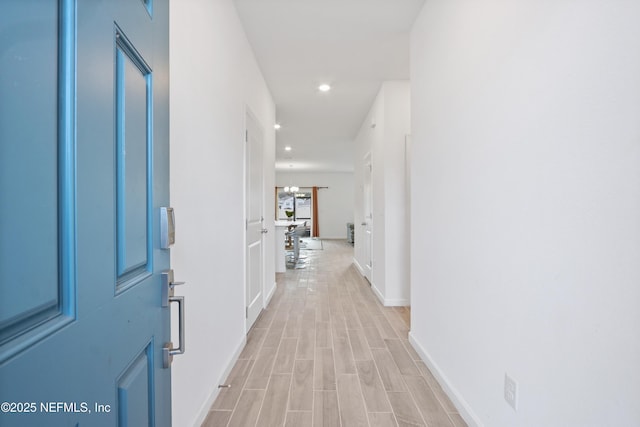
(397, 303)
(206, 406)
(245, 251)
(465, 410)
(387, 302)
(378, 293)
(384, 301)
(267, 300)
(357, 264)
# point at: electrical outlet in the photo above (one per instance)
(511, 391)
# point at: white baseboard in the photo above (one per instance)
(357, 264)
(456, 398)
(206, 406)
(388, 302)
(377, 293)
(396, 302)
(267, 300)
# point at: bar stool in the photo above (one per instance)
(294, 259)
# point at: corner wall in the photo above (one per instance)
(214, 79)
(526, 208)
(382, 135)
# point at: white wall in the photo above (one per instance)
(386, 144)
(526, 207)
(335, 208)
(214, 78)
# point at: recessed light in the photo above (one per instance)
(276, 126)
(324, 87)
(287, 148)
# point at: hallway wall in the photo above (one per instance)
(386, 143)
(526, 207)
(336, 202)
(214, 78)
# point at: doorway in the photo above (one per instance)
(255, 230)
(367, 223)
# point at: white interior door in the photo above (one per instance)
(407, 210)
(254, 220)
(367, 223)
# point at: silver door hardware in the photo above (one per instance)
(167, 227)
(168, 290)
(168, 286)
(264, 231)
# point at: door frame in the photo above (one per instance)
(247, 112)
(407, 188)
(367, 224)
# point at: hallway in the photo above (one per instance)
(325, 352)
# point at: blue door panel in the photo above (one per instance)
(28, 166)
(133, 88)
(149, 5)
(135, 392)
(79, 214)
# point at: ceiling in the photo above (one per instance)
(353, 45)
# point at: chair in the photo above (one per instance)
(288, 243)
(304, 232)
(294, 259)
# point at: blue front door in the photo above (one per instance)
(84, 170)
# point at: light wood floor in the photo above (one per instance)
(326, 353)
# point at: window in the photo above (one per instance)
(303, 206)
(294, 205)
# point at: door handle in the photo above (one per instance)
(264, 231)
(168, 290)
(364, 223)
(168, 351)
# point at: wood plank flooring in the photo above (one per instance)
(326, 353)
